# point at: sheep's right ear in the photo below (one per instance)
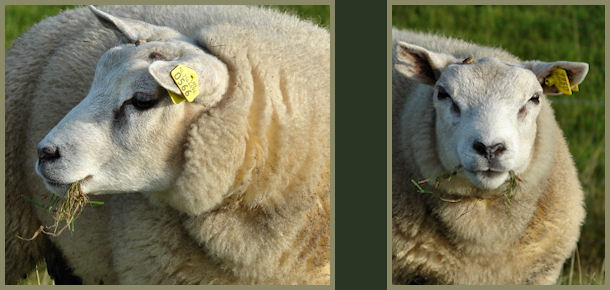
(421, 64)
(128, 30)
(212, 74)
(576, 72)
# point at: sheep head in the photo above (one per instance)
(127, 135)
(486, 110)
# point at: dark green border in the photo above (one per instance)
(361, 145)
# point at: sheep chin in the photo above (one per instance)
(55, 188)
(487, 180)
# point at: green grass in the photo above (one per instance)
(38, 277)
(21, 18)
(318, 14)
(546, 33)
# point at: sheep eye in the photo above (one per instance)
(442, 94)
(142, 101)
(156, 56)
(535, 99)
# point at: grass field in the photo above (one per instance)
(547, 33)
(20, 18)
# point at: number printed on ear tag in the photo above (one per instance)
(187, 81)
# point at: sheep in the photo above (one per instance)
(231, 188)
(484, 189)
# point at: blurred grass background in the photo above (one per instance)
(20, 18)
(547, 33)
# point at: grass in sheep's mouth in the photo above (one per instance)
(436, 181)
(508, 195)
(64, 210)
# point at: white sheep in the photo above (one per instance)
(476, 119)
(231, 188)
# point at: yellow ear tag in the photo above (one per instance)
(176, 99)
(188, 83)
(559, 79)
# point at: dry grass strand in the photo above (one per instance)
(509, 194)
(65, 211)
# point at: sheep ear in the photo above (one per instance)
(212, 75)
(127, 30)
(576, 71)
(421, 64)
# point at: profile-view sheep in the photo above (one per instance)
(484, 189)
(232, 187)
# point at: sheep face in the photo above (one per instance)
(485, 110)
(126, 135)
(486, 119)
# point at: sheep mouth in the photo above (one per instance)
(489, 173)
(58, 187)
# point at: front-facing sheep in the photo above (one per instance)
(499, 201)
(231, 188)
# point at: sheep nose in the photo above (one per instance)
(488, 152)
(48, 153)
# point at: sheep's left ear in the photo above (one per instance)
(130, 31)
(576, 72)
(420, 64)
(127, 29)
(212, 75)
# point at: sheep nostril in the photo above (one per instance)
(497, 149)
(480, 148)
(48, 153)
(488, 152)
